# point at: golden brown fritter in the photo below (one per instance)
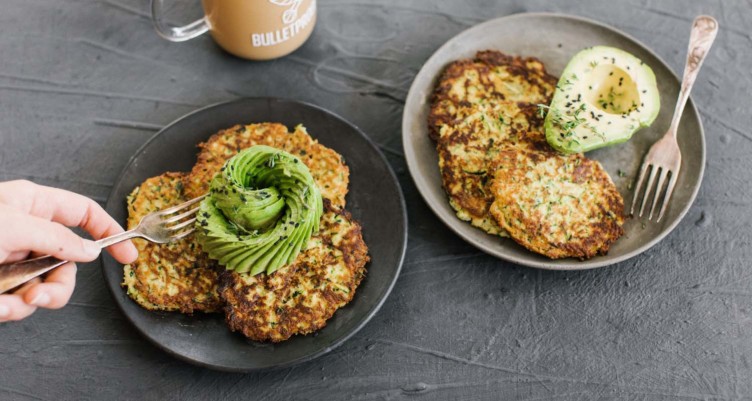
(468, 146)
(516, 122)
(490, 76)
(172, 277)
(556, 205)
(301, 297)
(479, 107)
(327, 166)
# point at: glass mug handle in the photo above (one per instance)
(176, 33)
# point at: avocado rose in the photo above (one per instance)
(262, 208)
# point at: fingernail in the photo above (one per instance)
(91, 248)
(41, 299)
(4, 311)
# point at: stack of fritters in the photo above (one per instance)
(297, 299)
(490, 141)
(479, 107)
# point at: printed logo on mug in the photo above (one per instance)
(252, 29)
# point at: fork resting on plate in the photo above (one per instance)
(664, 157)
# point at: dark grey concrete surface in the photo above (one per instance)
(84, 83)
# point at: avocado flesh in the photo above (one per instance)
(262, 208)
(603, 97)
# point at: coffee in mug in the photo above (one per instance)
(252, 29)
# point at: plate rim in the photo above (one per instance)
(306, 358)
(452, 220)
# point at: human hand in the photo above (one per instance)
(33, 220)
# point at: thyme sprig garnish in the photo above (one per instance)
(542, 110)
(569, 122)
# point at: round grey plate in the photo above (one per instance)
(375, 200)
(554, 39)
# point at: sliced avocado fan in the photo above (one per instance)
(263, 207)
(603, 97)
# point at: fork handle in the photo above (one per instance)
(14, 274)
(704, 31)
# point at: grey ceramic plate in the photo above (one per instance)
(375, 200)
(554, 39)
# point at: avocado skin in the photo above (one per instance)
(577, 148)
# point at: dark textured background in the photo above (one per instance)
(84, 83)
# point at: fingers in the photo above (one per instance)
(53, 293)
(65, 207)
(69, 209)
(72, 209)
(13, 307)
(29, 233)
(56, 289)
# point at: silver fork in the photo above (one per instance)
(162, 226)
(664, 157)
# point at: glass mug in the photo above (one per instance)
(252, 29)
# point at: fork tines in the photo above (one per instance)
(660, 192)
(175, 229)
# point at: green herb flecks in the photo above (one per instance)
(568, 122)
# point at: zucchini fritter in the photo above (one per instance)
(301, 297)
(468, 146)
(172, 277)
(492, 75)
(327, 166)
(479, 107)
(556, 205)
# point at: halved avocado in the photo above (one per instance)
(603, 97)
